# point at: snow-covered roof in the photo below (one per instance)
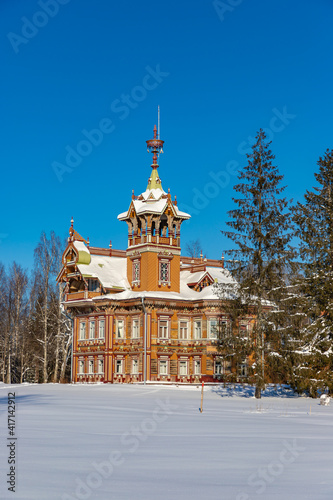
(111, 271)
(154, 201)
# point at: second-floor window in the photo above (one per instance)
(197, 329)
(163, 328)
(213, 325)
(183, 330)
(120, 329)
(82, 332)
(92, 329)
(101, 328)
(135, 329)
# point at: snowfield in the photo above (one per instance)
(125, 442)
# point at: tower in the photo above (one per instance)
(154, 220)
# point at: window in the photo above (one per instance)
(163, 328)
(81, 366)
(197, 367)
(92, 329)
(164, 271)
(243, 369)
(82, 334)
(197, 329)
(218, 368)
(244, 330)
(182, 367)
(93, 285)
(135, 367)
(163, 367)
(120, 330)
(136, 271)
(101, 366)
(213, 328)
(119, 366)
(91, 366)
(101, 329)
(183, 330)
(135, 329)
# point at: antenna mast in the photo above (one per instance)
(158, 122)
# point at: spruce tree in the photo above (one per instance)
(262, 234)
(313, 354)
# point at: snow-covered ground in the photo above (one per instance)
(127, 442)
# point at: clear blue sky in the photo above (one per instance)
(220, 77)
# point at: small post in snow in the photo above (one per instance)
(202, 391)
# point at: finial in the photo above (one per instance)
(110, 244)
(201, 255)
(71, 229)
(133, 194)
(88, 242)
(222, 260)
(176, 200)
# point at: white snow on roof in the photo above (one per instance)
(111, 271)
(156, 206)
(80, 246)
(181, 214)
(157, 193)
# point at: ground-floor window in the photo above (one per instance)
(218, 367)
(101, 366)
(135, 367)
(243, 369)
(91, 366)
(119, 366)
(182, 367)
(197, 367)
(163, 366)
(81, 366)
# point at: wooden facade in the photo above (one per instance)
(146, 313)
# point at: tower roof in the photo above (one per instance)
(154, 200)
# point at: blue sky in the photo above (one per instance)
(219, 73)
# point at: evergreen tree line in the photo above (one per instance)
(35, 333)
(286, 288)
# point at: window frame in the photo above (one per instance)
(84, 324)
(195, 321)
(195, 363)
(100, 362)
(92, 322)
(182, 363)
(163, 362)
(162, 262)
(81, 365)
(120, 320)
(135, 363)
(91, 363)
(163, 319)
(119, 362)
(210, 320)
(136, 327)
(136, 271)
(181, 329)
(101, 322)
